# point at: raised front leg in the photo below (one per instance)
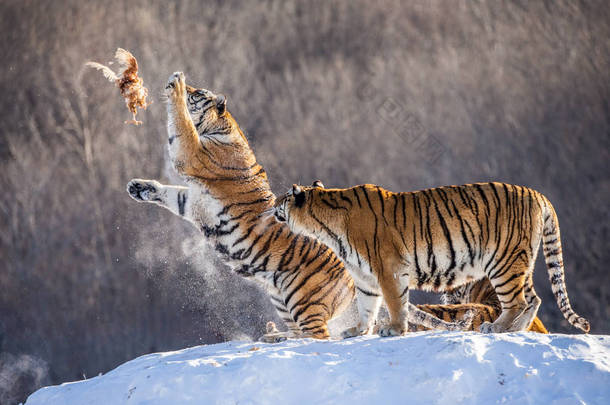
(183, 137)
(195, 206)
(173, 198)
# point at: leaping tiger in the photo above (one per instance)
(436, 239)
(230, 200)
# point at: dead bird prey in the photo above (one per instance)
(127, 80)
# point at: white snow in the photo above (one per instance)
(423, 367)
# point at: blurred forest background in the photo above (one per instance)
(405, 95)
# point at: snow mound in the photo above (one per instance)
(424, 367)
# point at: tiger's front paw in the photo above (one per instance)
(354, 331)
(486, 327)
(351, 332)
(176, 86)
(391, 330)
(143, 190)
(273, 335)
(465, 322)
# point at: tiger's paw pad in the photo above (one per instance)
(142, 190)
(390, 330)
(176, 85)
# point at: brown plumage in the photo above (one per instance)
(127, 80)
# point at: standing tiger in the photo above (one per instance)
(436, 239)
(229, 198)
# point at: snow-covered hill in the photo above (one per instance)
(425, 367)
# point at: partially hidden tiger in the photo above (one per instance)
(477, 298)
(228, 197)
(482, 297)
(437, 240)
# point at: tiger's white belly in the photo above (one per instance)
(363, 276)
(462, 273)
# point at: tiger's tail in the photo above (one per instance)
(551, 245)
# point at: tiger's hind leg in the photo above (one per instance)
(310, 323)
(533, 303)
(273, 335)
(510, 282)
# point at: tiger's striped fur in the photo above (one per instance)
(229, 198)
(482, 313)
(437, 239)
(479, 292)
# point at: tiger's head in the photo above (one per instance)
(207, 110)
(295, 206)
(222, 150)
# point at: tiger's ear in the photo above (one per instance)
(299, 195)
(317, 184)
(221, 104)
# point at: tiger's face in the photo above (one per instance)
(208, 111)
(293, 201)
(459, 295)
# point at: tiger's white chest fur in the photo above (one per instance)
(206, 212)
(202, 206)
